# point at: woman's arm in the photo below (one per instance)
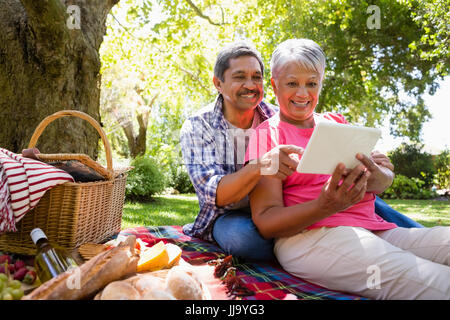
(270, 215)
(274, 220)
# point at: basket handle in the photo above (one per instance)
(108, 173)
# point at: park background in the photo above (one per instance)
(388, 65)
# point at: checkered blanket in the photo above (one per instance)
(267, 279)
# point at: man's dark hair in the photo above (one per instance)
(233, 51)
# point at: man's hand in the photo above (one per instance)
(380, 168)
(280, 162)
(335, 197)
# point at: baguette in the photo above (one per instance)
(85, 281)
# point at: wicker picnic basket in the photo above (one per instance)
(73, 213)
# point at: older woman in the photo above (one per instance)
(325, 227)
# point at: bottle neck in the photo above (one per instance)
(42, 243)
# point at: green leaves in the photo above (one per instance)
(371, 73)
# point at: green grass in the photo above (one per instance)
(429, 213)
(167, 210)
(181, 209)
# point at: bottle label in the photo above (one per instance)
(37, 234)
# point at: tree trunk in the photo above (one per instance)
(137, 143)
(49, 62)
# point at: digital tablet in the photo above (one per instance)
(332, 143)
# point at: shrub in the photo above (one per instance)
(145, 180)
(411, 162)
(408, 188)
(180, 180)
(442, 165)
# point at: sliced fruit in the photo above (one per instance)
(174, 252)
(154, 258)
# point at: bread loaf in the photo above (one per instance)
(157, 295)
(148, 283)
(183, 284)
(120, 290)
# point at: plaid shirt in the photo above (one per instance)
(208, 156)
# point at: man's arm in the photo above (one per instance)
(380, 168)
(275, 163)
(212, 183)
(198, 148)
(234, 187)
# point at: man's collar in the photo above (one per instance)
(219, 119)
(265, 110)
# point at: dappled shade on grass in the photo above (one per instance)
(164, 210)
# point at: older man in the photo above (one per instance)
(213, 142)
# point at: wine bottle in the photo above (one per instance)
(50, 259)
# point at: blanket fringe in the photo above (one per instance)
(225, 271)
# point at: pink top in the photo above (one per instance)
(301, 187)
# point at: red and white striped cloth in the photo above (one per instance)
(23, 182)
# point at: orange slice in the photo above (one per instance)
(154, 258)
(174, 252)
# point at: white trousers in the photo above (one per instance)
(399, 264)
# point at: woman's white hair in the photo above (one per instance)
(305, 52)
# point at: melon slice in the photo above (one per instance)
(174, 252)
(154, 258)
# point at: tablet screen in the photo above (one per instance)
(332, 143)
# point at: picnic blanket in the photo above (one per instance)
(23, 182)
(266, 279)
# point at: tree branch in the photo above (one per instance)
(145, 114)
(202, 15)
(127, 126)
(175, 64)
(193, 76)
